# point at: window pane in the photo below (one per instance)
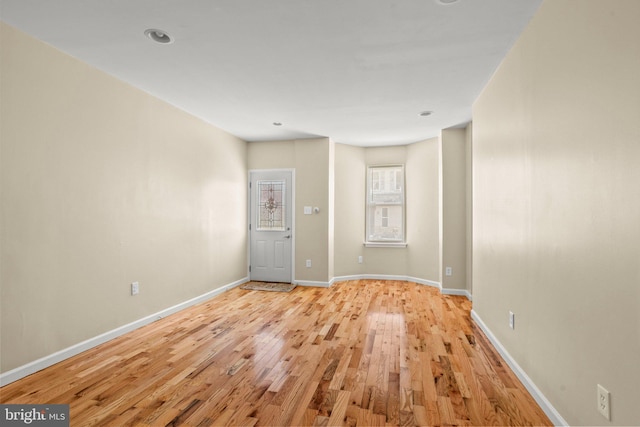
(385, 204)
(271, 212)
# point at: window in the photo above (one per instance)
(385, 204)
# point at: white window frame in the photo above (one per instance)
(381, 178)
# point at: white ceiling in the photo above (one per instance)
(358, 71)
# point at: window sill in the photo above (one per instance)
(385, 245)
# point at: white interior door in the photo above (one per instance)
(271, 226)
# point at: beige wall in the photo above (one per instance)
(423, 203)
(350, 176)
(469, 205)
(103, 185)
(311, 159)
(453, 208)
(271, 155)
(556, 181)
(331, 209)
(420, 259)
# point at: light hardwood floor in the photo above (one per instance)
(361, 353)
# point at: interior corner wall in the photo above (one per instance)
(331, 213)
(453, 206)
(350, 190)
(313, 166)
(556, 205)
(423, 224)
(469, 206)
(311, 159)
(103, 185)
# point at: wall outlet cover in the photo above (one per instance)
(604, 402)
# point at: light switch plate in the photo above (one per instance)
(307, 210)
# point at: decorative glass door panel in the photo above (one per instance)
(272, 206)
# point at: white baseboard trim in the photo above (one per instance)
(347, 278)
(312, 283)
(535, 392)
(386, 277)
(444, 291)
(370, 277)
(44, 362)
(425, 282)
(461, 292)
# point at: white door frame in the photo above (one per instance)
(293, 218)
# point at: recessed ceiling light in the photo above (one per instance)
(446, 2)
(426, 113)
(158, 36)
(277, 124)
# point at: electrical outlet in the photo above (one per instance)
(308, 263)
(448, 271)
(360, 259)
(512, 320)
(135, 288)
(604, 400)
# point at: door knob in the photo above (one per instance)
(287, 237)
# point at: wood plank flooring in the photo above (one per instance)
(361, 353)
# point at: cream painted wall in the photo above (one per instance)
(453, 208)
(312, 189)
(556, 231)
(103, 185)
(331, 209)
(311, 160)
(469, 205)
(423, 203)
(271, 155)
(350, 175)
(420, 259)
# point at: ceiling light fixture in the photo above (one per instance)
(425, 113)
(446, 2)
(158, 36)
